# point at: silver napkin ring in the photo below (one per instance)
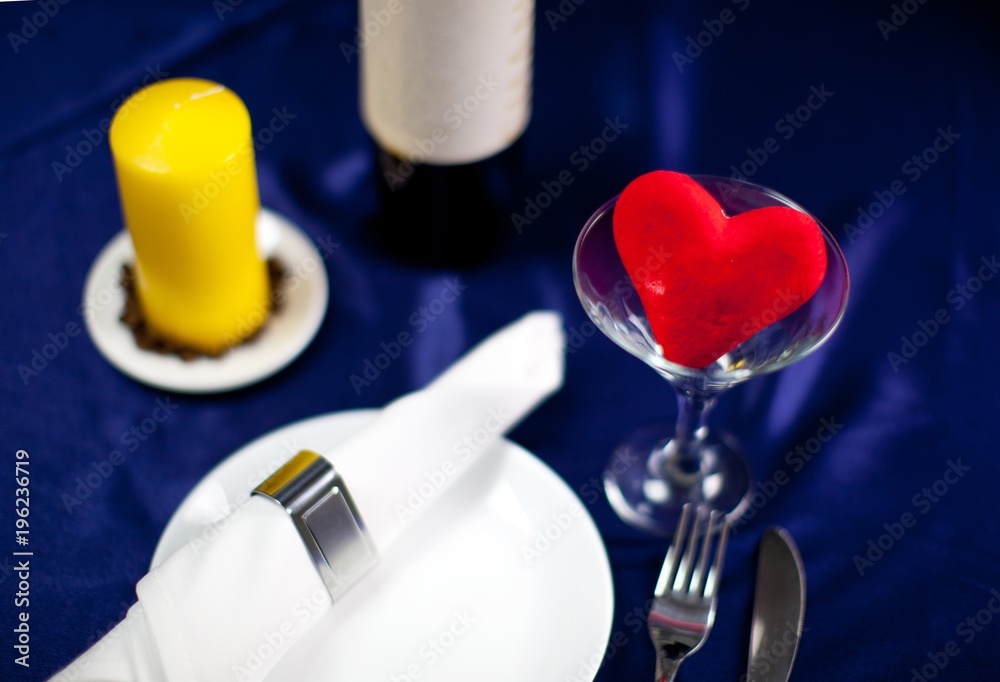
(314, 495)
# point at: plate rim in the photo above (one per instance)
(522, 455)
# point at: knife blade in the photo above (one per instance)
(778, 609)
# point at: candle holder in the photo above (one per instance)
(285, 336)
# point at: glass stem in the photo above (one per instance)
(692, 410)
(680, 458)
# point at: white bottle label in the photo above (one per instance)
(446, 81)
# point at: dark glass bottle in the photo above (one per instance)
(446, 96)
(445, 215)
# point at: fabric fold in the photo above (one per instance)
(232, 607)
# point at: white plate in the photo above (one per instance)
(535, 617)
(280, 342)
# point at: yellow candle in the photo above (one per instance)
(183, 154)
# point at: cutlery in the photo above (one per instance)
(778, 609)
(684, 600)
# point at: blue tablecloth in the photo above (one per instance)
(882, 120)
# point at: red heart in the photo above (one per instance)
(709, 282)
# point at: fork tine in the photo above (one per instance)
(683, 611)
(712, 581)
(684, 575)
(672, 561)
(700, 577)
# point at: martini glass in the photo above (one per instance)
(654, 473)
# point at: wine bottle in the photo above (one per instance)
(445, 96)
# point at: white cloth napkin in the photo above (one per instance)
(221, 611)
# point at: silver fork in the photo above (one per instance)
(684, 606)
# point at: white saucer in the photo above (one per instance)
(286, 335)
(537, 618)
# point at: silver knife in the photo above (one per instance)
(778, 609)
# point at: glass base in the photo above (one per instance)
(647, 483)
